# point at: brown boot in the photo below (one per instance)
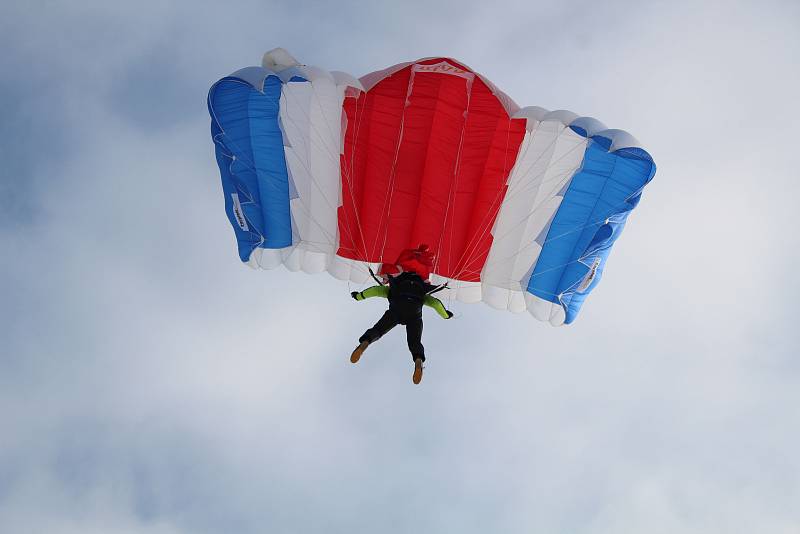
(359, 351)
(417, 378)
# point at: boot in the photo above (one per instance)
(417, 378)
(359, 351)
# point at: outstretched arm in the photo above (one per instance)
(374, 291)
(437, 305)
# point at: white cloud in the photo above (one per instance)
(150, 383)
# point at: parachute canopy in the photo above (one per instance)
(325, 172)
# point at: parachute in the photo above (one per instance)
(325, 172)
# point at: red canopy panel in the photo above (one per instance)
(427, 154)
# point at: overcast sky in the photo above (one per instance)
(151, 383)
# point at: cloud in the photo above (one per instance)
(150, 383)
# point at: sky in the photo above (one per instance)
(151, 383)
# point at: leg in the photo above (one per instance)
(414, 338)
(384, 324)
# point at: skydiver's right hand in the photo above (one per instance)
(355, 295)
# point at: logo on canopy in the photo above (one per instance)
(443, 67)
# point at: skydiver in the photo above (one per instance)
(408, 291)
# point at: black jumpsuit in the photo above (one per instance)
(406, 297)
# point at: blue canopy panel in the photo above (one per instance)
(588, 222)
(248, 140)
